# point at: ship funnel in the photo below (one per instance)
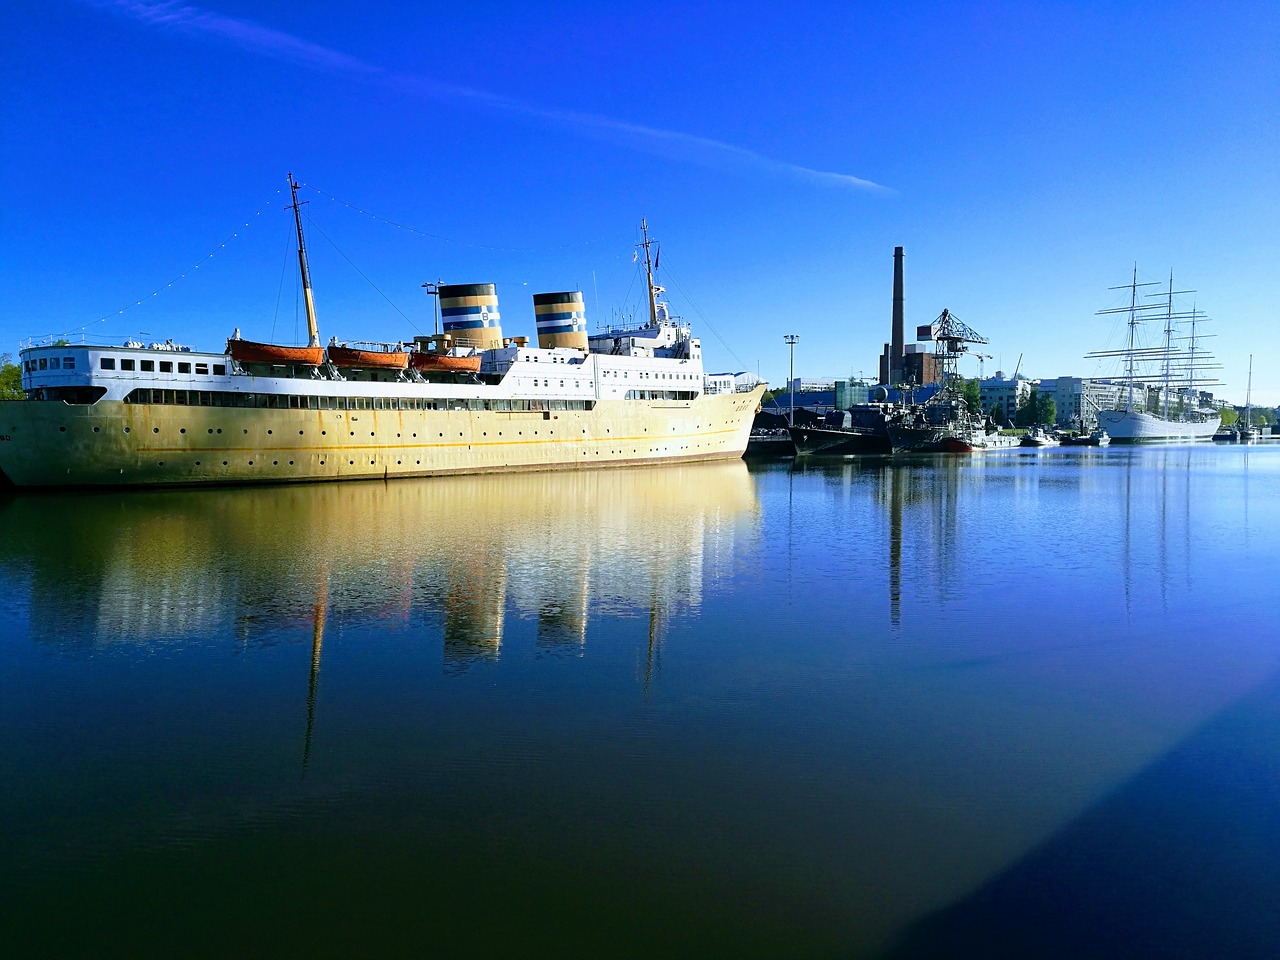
(469, 313)
(562, 321)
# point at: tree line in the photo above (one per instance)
(10, 379)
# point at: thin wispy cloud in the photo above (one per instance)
(184, 17)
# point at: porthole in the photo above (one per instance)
(183, 430)
(126, 429)
(160, 463)
(219, 430)
(275, 463)
(155, 429)
(251, 463)
(351, 463)
(224, 463)
(300, 433)
(211, 429)
(197, 463)
(268, 433)
(62, 429)
(291, 463)
(324, 433)
(96, 429)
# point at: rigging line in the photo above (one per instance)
(710, 325)
(361, 272)
(284, 266)
(183, 275)
(436, 236)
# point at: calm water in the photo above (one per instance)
(1020, 705)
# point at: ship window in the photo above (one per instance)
(27, 365)
(148, 366)
(106, 363)
(184, 368)
(126, 363)
(202, 368)
(219, 369)
(166, 366)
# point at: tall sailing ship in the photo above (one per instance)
(1175, 368)
(468, 400)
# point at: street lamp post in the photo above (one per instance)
(791, 339)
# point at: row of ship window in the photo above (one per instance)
(166, 366)
(49, 363)
(281, 401)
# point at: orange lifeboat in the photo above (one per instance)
(426, 362)
(249, 351)
(368, 359)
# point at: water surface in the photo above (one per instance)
(1021, 704)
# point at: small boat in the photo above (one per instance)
(1098, 438)
(1039, 437)
(368, 356)
(250, 351)
(426, 361)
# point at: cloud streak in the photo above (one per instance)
(184, 17)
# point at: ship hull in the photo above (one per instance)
(1125, 426)
(825, 441)
(110, 443)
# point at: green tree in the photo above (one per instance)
(1229, 417)
(10, 379)
(1046, 410)
(1025, 415)
(971, 390)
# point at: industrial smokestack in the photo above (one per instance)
(898, 346)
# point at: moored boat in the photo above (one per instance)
(103, 415)
(862, 429)
(1039, 437)
(1168, 364)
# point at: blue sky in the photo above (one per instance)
(1026, 155)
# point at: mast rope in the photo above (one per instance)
(436, 236)
(312, 223)
(182, 276)
(703, 317)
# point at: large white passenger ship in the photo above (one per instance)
(465, 401)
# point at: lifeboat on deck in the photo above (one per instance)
(428, 362)
(369, 357)
(250, 351)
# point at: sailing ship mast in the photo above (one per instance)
(648, 270)
(313, 331)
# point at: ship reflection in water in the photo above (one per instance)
(457, 555)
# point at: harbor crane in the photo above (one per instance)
(981, 357)
(951, 337)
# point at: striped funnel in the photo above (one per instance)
(562, 321)
(469, 312)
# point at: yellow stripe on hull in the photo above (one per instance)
(48, 444)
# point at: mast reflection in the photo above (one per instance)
(451, 558)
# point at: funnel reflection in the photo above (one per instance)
(454, 555)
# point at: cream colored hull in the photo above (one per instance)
(52, 444)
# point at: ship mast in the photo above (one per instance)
(648, 270)
(313, 331)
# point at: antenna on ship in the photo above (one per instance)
(313, 331)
